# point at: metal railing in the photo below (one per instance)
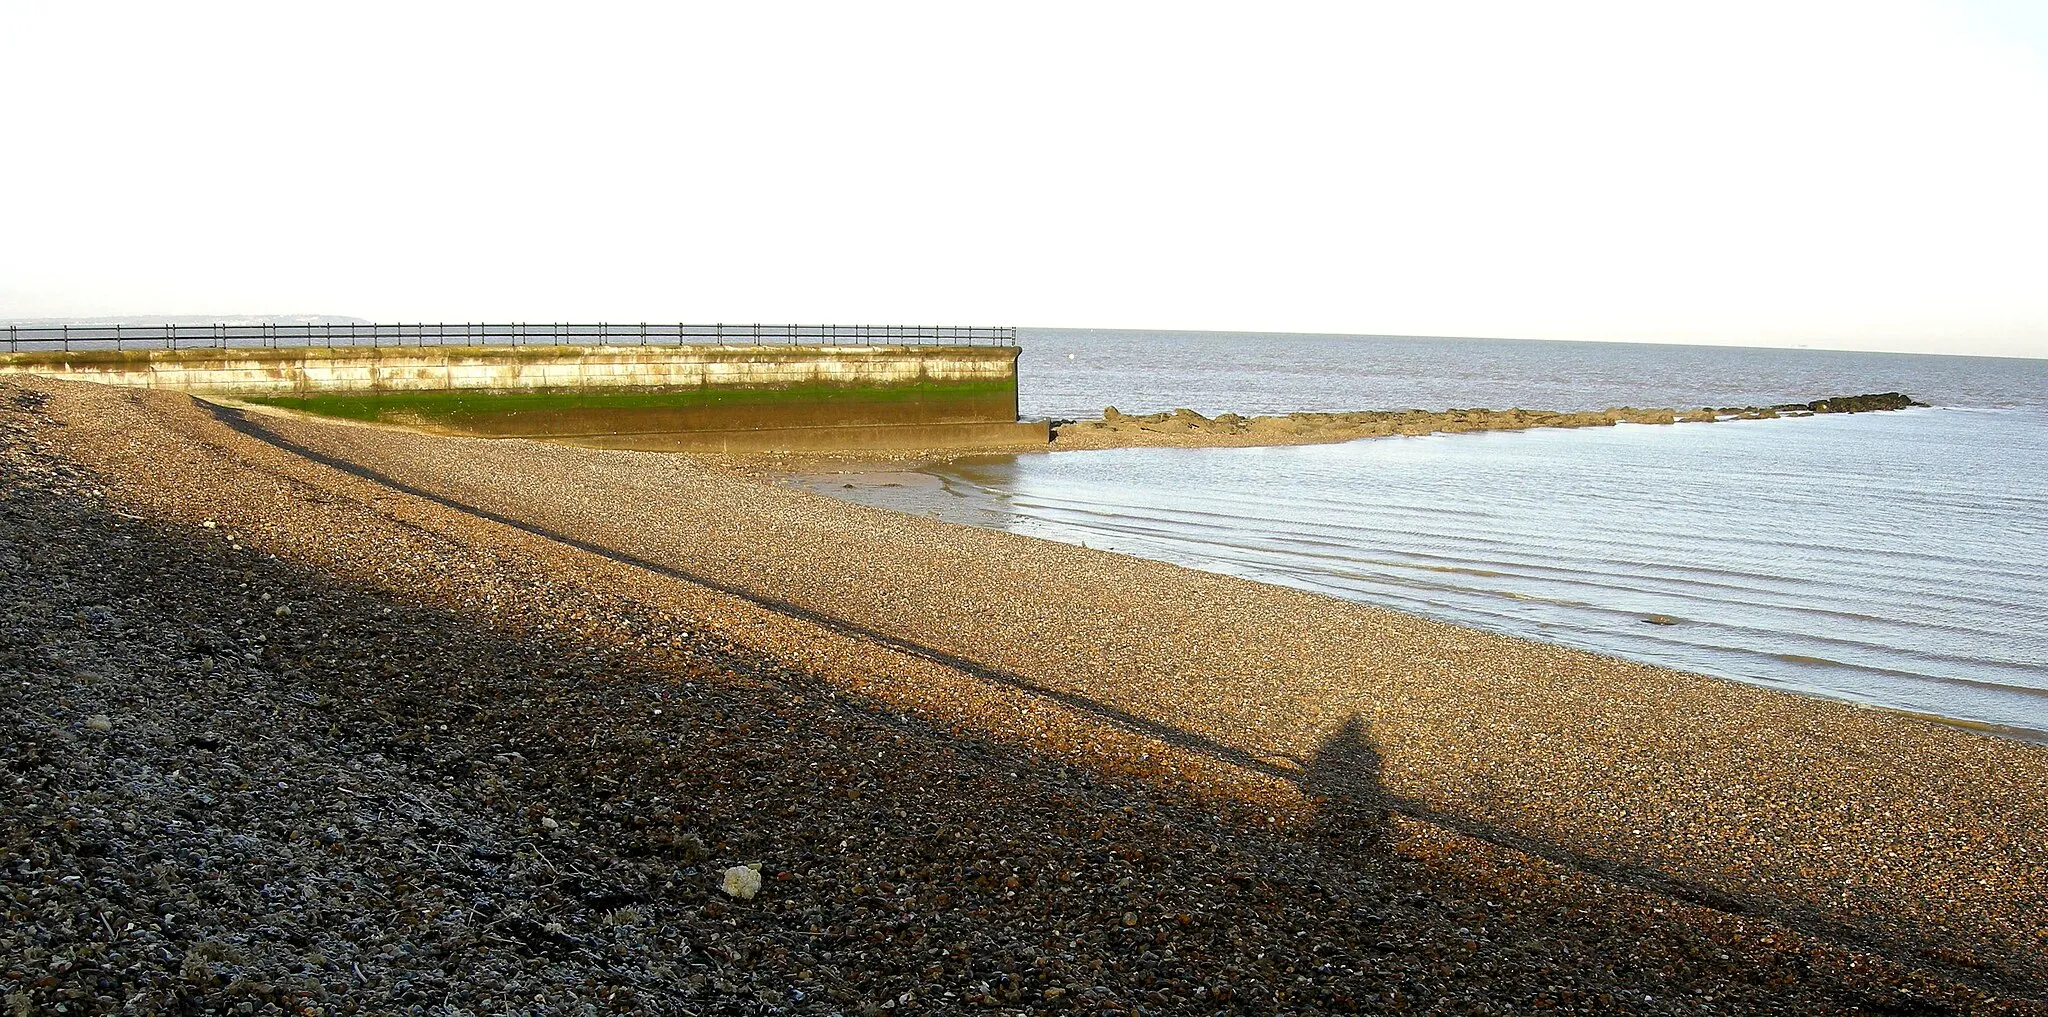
(223, 336)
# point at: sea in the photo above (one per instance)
(1897, 560)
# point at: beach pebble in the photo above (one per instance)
(741, 881)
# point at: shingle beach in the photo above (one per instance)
(308, 717)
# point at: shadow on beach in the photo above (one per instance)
(1344, 782)
(1343, 777)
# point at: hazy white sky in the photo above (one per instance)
(1867, 174)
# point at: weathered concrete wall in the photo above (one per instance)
(311, 371)
(730, 398)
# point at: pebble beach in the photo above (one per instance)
(310, 717)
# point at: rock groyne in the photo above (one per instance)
(1185, 427)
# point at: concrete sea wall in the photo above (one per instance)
(668, 397)
(305, 371)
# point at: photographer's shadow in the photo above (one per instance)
(1344, 781)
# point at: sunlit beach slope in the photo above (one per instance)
(966, 762)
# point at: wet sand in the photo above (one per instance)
(1342, 801)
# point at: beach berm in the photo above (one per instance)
(329, 718)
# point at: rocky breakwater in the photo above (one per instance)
(1184, 427)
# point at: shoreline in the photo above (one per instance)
(1573, 785)
(918, 479)
(901, 474)
(918, 475)
(1186, 429)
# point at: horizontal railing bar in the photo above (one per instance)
(224, 334)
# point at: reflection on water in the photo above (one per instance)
(1897, 559)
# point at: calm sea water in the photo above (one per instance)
(1896, 559)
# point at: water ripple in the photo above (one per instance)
(1893, 559)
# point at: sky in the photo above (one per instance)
(1866, 175)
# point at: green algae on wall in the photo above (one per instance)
(571, 412)
(654, 396)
